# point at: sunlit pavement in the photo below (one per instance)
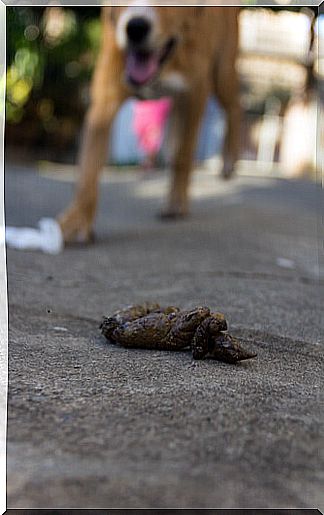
(93, 425)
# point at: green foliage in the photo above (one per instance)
(50, 54)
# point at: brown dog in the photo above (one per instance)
(185, 52)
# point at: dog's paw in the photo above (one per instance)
(169, 214)
(75, 226)
(227, 172)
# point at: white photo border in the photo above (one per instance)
(3, 271)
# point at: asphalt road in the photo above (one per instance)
(93, 425)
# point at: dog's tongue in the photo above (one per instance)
(141, 68)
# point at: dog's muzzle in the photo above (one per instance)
(143, 61)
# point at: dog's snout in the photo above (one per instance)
(138, 29)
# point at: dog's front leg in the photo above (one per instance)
(107, 94)
(188, 111)
(77, 221)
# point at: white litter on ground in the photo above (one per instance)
(285, 263)
(48, 237)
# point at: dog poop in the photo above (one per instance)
(150, 326)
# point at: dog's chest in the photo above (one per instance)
(168, 84)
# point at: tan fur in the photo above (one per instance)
(205, 59)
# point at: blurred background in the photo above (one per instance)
(51, 53)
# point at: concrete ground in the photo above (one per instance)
(93, 425)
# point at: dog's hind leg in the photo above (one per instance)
(188, 111)
(77, 220)
(231, 145)
(226, 90)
